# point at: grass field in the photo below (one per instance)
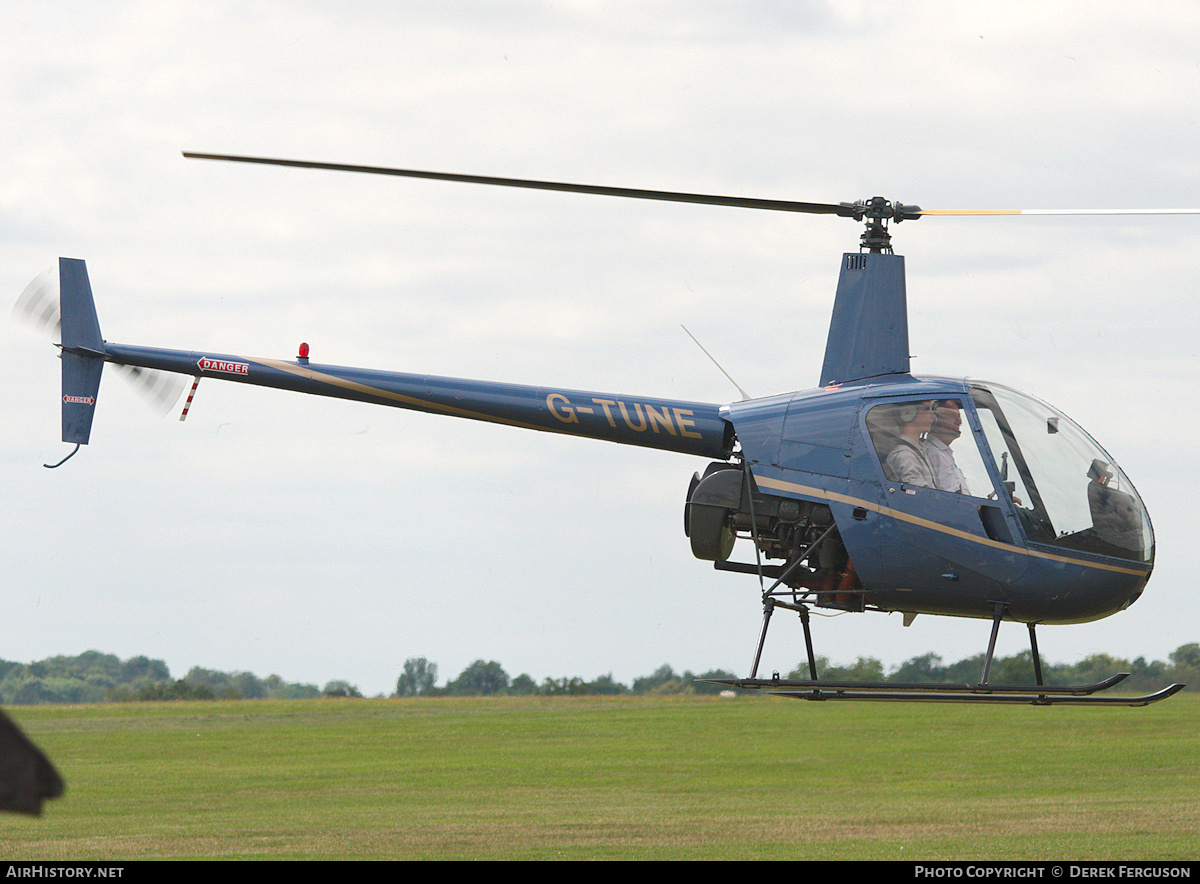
(619, 778)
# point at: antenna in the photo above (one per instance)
(745, 395)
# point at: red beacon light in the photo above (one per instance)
(303, 357)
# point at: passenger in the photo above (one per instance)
(947, 426)
(908, 461)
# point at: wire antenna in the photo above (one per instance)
(745, 395)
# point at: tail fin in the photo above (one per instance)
(82, 351)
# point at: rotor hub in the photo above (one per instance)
(877, 212)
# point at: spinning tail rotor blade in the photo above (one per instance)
(38, 304)
(38, 307)
(160, 389)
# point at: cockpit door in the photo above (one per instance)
(943, 517)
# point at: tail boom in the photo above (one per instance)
(673, 425)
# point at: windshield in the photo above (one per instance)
(1066, 489)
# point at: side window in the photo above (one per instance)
(925, 443)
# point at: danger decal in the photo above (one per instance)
(223, 365)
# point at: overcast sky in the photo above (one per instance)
(318, 539)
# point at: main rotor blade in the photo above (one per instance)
(628, 192)
(1059, 212)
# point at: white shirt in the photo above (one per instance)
(909, 463)
(946, 474)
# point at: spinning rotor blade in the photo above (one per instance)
(160, 389)
(877, 212)
(38, 306)
(665, 195)
(1059, 212)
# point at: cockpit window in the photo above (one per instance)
(1066, 489)
(925, 443)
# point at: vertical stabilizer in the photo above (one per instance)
(82, 351)
(868, 334)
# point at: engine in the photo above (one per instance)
(725, 504)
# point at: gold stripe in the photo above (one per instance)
(780, 485)
(335, 381)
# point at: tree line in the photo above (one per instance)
(94, 677)
(419, 677)
(484, 678)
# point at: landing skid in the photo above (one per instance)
(1039, 694)
(1035, 695)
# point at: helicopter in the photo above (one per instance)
(875, 490)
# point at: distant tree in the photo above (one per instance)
(1185, 666)
(926, 668)
(801, 672)
(219, 683)
(28, 691)
(680, 684)
(577, 687)
(340, 688)
(967, 671)
(1017, 669)
(523, 685)
(277, 688)
(248, 685)
(94, 662)
(1186, 655)
(1090, 669)
(419, 677)
(480, 679)
(863, 669)
(605, 685)
(1145, 678)
(137, 668)
(661, 677)
(562, 687)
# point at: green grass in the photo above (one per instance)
(620, 778)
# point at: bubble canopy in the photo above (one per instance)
(1066, 489)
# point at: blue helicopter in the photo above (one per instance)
(876, 490)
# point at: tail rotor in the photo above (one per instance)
(59, 303)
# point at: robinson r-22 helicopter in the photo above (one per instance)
(876, 490)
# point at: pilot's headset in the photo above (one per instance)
(909, 411)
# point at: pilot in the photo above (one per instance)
(947, 426)
(909, 462)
